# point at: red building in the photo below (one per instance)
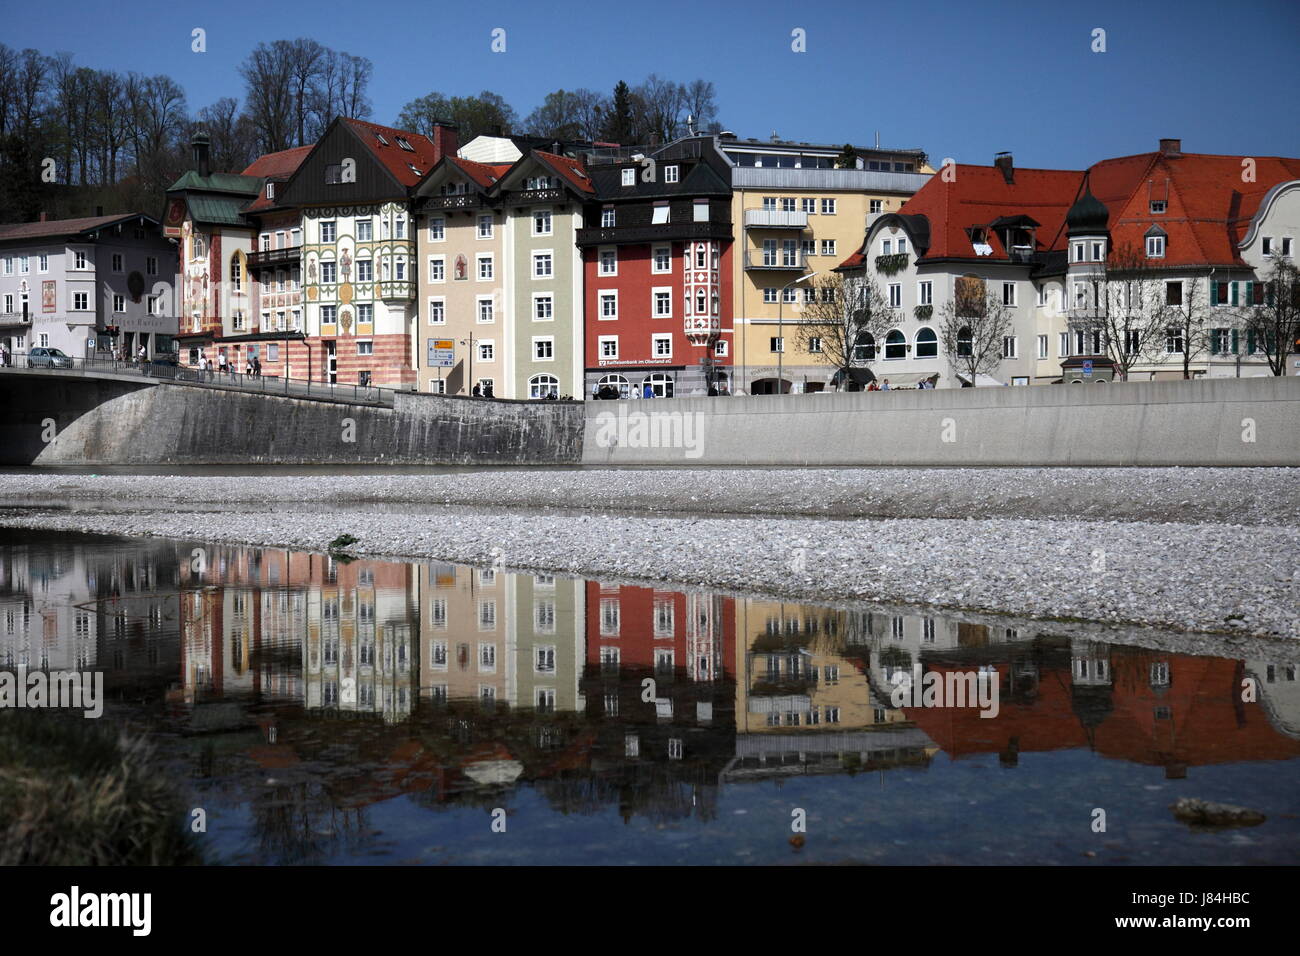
(657, 272)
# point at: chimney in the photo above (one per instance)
(1173, 148)
(445, 140)
(1003, 162)
(199, 145)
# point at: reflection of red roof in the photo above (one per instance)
(1205, 724)
(408, 166)
(279, 165)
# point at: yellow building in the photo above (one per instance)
(796, 223)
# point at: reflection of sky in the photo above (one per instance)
(966, 812)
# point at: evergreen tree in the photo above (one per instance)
(619, 125)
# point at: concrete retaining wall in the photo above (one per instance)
(1208, 422)
(109, 422)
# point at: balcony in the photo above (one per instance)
(268, 258)
(663, 232)
(532, 197)
(397, 291)
(15, 320)
(771, 219)
(457, 201)
(757, 259)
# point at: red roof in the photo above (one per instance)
(407, 166)
(482, 173)
(61, 227)
(1209, 207)
(279, 165)
(570, 169)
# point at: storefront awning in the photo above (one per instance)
(981, 380)
(905, 379)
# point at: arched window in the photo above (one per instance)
(964, 341)
(661, 385)
(895, 345)
(864, 348)
(927, 343)
(615, 381)
(543, 386)
(236, 273)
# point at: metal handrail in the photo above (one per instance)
(188, 375)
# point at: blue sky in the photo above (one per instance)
(959, 79)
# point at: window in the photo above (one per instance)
(485, 310)
(886, 247)
(437, 229)
(925, 293)
(486, 350)
(787, 204)
(151, 266)
(1063, 345)
(876, 206)
(328, 314)
(895, 295)
(541, 222)
(1042, 346)
(670, 174)
(1008, 293)
(1079, 250)
(659, 214)
(365, 348)
(43, 263)
(1132, 341)
(769, 295)
(609, 346)
(1009, 346)
(661, 345)
(608, 264)
(153, 305)
(399, 230)
(927, 343)
(662, 303)
(327, 272)
(828, 247)
(808, 206)
(328, 231)
(895, 345)
(365, 270)
(1286, 247)
(808, 247)
(663, 261)
(815, 344)
(485, 268)
(1155, 247)
(543, 308)
(437, 269)
(1173, 293)
(437, 312)
(828, 207)
(119, 303)
(485, 227)
(80, 301)
(542, 265)
(117, 263)
(1173, 340)
(776, 343)
(543, 386)
(79, 261)
(1158, 206)
(629, 177)
(609, 304)
(544, 348)
(607, 218)
(720, 348)
(700, 210)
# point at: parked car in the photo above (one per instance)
(48, 358)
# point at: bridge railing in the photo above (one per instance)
(211, 377)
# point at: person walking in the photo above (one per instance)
(487, 391)
(203, 366)
(257, 366)
(477, 391)
(884, 386)
(648, 391)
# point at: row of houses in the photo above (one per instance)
(527, 269)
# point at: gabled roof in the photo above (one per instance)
(407, 166)
(53, 228)
(217, 183)
(570, 170)
(700, 179)
(483, 175)
(279, 165)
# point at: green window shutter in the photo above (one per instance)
(1234, 341)
(1250, 343)
(1214, 292)
(1232, 293)
(1215, 340)
(1250, 293)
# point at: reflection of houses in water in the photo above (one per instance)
(493, 637)
(113, 609)
(804, 703)
(1143, 706)
(1278, 692)
(660, 693)
(300, 628)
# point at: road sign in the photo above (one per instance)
(1087, 368)
(442, 353)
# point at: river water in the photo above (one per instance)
(333, 711)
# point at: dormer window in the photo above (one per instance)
(670, 174)
(402, 142)
(270, 190)
(629, 177)
(1158, 206)
(380, 137)
(1155, 243)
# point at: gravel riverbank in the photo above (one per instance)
(1228, 566)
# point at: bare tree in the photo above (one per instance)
(1187, 326)
(486, 114)
(232, 137)
(657, 106)
(568, 115)
(1123, 313)
(700, 101)
(972, 326)
(1272, 321)
(268, 78)
(844, 321)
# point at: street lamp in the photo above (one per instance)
(780, 326)
(470, 382)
